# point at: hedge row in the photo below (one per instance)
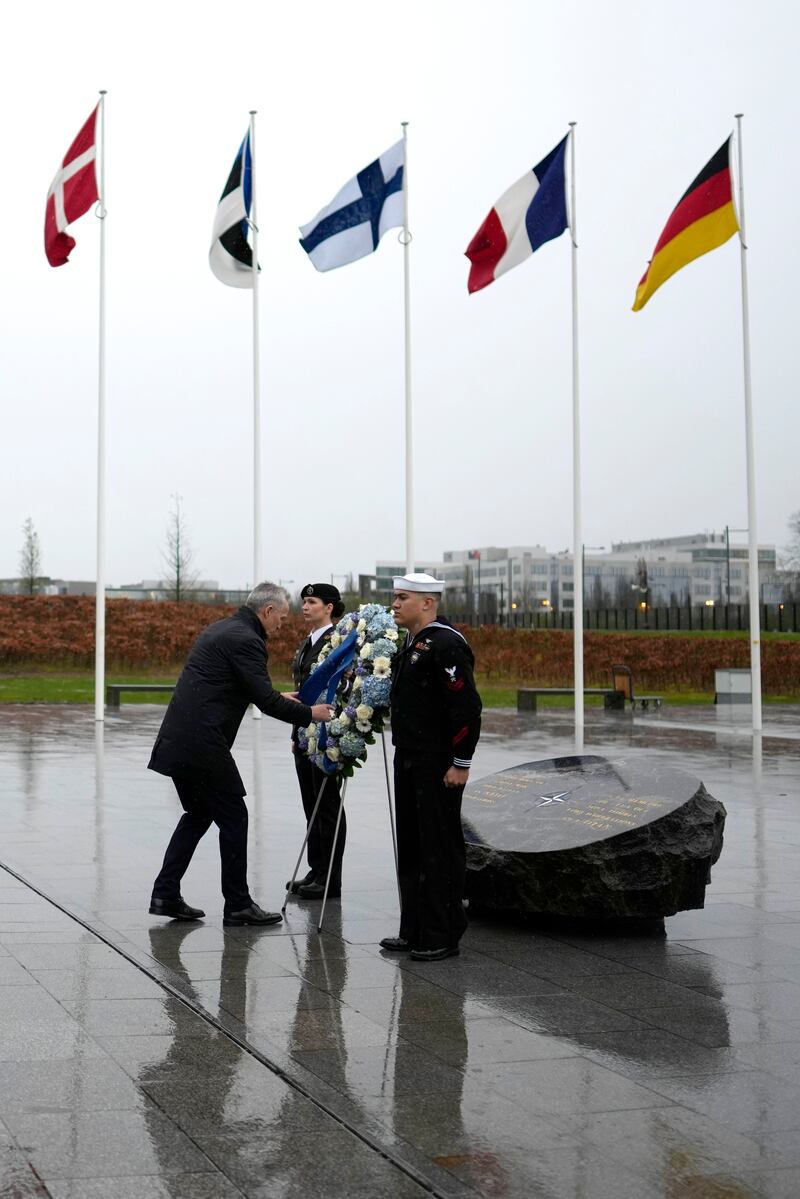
(59, 630)
(659, 662)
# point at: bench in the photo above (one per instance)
(114, 690)
(622, 679)
(526, 696)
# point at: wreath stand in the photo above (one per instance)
(310, 825)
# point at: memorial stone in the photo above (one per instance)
(590, 837)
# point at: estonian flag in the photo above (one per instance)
(356, 219)
(702, 220)
(231, 256)
(531, 212)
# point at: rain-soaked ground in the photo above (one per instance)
(144, 1060)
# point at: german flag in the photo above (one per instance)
(702, 220)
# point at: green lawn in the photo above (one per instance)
(64, 686)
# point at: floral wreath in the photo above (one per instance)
(361, 702)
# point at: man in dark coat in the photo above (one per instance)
(322, 605)
(436, 722)
(226, 670)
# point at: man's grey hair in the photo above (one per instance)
(264, 594)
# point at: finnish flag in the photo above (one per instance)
(356, 219)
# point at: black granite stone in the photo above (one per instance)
(590, 837)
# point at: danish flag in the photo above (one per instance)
(71, 193)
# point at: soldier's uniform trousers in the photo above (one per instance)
(430, 850)
(320, 838)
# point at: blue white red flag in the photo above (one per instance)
(531, 212)
(351, 226)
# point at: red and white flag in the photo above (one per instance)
(71, 194)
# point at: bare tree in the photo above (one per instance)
(598, 596)
(791, 552)
(29, 559)
(178, 556)
(790, 560)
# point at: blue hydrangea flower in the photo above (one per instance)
(352, 745)
(380, 623)
(376, 692)
(369, 611)
(383, 648)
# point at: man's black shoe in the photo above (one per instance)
(396, 944)
(174, 909)
(317, 890)
(294, 887)
(435, 955)
(252, 915)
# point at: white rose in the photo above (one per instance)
(382, 667)
(312, 745)
(312, 730)
(335, 639)
(344, 720)
(391, 634)
(366, 651)
(363, 712)
(333, 754)
(357, 683)
(362, 624)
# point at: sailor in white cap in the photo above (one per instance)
(436, 723)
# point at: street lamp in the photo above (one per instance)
(709, 603)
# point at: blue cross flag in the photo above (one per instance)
(356, 219)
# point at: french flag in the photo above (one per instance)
(531, 212)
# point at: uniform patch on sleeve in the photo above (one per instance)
(453, 683)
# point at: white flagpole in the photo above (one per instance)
(406, 240)
(256, 374)
(100, 569)
(577, 533)
(752, 526)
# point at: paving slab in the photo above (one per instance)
(547, 1060)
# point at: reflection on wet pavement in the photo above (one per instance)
(548, 1061)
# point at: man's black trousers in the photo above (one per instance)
(430, 851)
(202, 807)
(320, 839)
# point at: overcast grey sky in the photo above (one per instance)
(488, 89)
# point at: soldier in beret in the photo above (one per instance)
(436, 722)
(322, 607)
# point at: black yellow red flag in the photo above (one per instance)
(703, 219)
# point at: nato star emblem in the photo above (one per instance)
(556, 797)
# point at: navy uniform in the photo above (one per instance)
(310, 778)
(436, 724)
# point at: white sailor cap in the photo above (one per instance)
(419, 581)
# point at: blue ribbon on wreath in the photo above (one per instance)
(323, 683)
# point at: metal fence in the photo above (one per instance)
(774, 618)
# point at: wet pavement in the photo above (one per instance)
(144, 1059)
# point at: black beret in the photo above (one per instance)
(324, 591)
